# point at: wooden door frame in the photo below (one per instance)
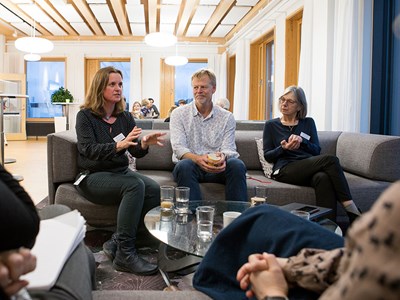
(231, 80)
(292, 48)
(257, 105)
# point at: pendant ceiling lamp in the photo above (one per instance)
(160, 39)
(32, 57)
(33, 45)
(176, 60)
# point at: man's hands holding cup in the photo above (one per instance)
(212, 162)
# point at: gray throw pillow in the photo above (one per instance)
(266, 166)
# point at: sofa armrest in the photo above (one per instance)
(370, 155)
(62, 156)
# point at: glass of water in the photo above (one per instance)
(182, 199)
(205, 221)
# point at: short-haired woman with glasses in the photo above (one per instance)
(291, 143)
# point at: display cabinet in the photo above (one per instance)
(13, 100)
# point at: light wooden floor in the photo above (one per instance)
(31, 156)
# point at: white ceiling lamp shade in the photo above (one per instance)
(176, 60)
(34, 44)
(160, 39)
(32, 57)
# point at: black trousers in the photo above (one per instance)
(323, 173)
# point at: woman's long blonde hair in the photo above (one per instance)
(94, 99)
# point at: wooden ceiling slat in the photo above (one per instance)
(118, 10)
(152, 11)
(187, 14)
(85, 11)
(56, 17)
(14, 8)
(221, 10)
(121, 16)
(251, 14)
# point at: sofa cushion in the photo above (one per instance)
(365, 191)
(266, 166)
(158, 158)
(95, 215)
(328, 141)
(247, 148)
(370, 155)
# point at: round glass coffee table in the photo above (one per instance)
(179, 231)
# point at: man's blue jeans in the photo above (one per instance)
(187, 173)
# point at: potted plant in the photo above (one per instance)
(62, 96)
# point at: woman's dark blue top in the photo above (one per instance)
(275, 132)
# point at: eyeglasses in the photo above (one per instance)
(288, 101)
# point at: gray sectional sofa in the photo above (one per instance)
(370, 162)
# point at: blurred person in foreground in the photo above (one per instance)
(281, 255)
(19, 226)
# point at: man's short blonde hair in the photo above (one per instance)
(206, 72)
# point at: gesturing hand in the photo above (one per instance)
(128, 140)
(292, 143)
(153, 139)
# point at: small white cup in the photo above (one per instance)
(229, 216)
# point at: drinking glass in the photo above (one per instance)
(301, 213)
(205, 221)
(167, 198)
(182, 199)
(260, 197)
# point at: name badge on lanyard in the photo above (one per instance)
(305, 136)
(119, 137)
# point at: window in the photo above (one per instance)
(176, 83)
(40, 88)
(262, 77)
(183, 83)
(125, 68)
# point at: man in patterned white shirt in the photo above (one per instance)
(201, 128)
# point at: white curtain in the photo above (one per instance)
(136, 80)
(306, 51)
(347, 57)
(222, 77)
(331, 62)
(241, 89)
